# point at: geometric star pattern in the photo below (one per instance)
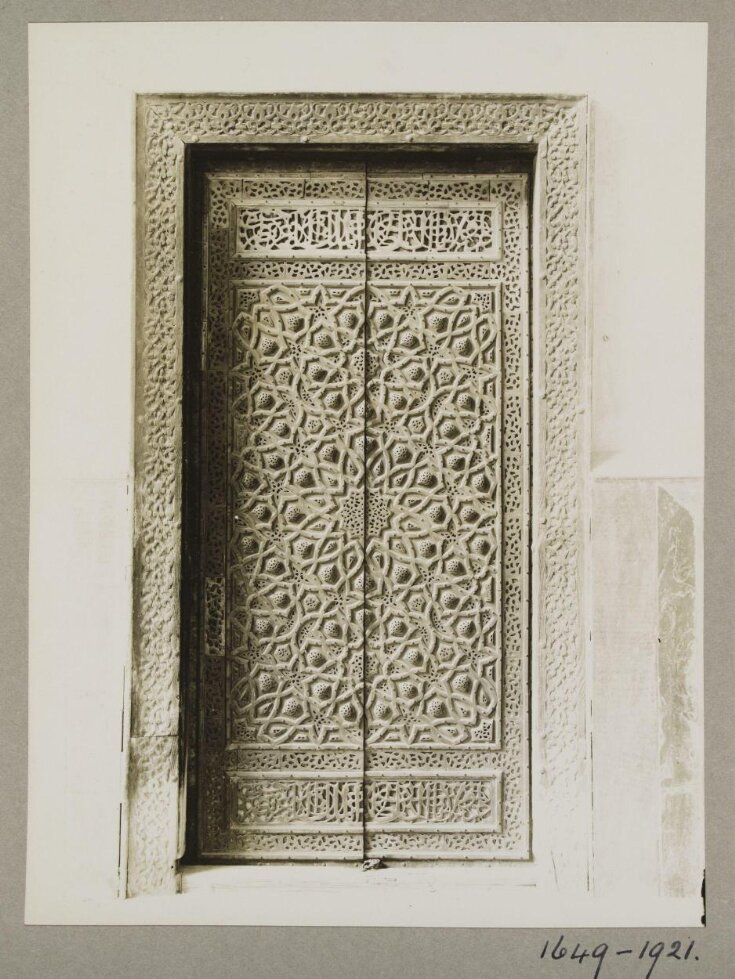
(433, 641)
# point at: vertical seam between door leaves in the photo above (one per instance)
(365, 503)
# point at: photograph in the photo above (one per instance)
(366, 542)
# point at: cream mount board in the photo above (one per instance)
(556, 129)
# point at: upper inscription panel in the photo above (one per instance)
(308, 230)
(433, 219)
(312, 230)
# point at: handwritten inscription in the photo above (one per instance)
(650, 953)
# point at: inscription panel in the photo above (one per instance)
(404, 801)
(300, 229)
(433, 230)
(313, 229)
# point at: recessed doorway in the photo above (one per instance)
(356, 507)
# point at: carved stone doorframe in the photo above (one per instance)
(556, 128)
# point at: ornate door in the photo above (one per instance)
(362, 686)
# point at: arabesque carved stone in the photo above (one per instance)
(557, 128)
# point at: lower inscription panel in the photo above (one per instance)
(402, 813)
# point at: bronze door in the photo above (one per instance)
(362, 685)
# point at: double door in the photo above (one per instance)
(361, 684)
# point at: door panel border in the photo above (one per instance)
(170, 131)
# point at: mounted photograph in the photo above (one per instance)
(368, 429)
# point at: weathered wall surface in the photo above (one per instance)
(647, 686)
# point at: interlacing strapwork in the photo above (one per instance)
(365, 458)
